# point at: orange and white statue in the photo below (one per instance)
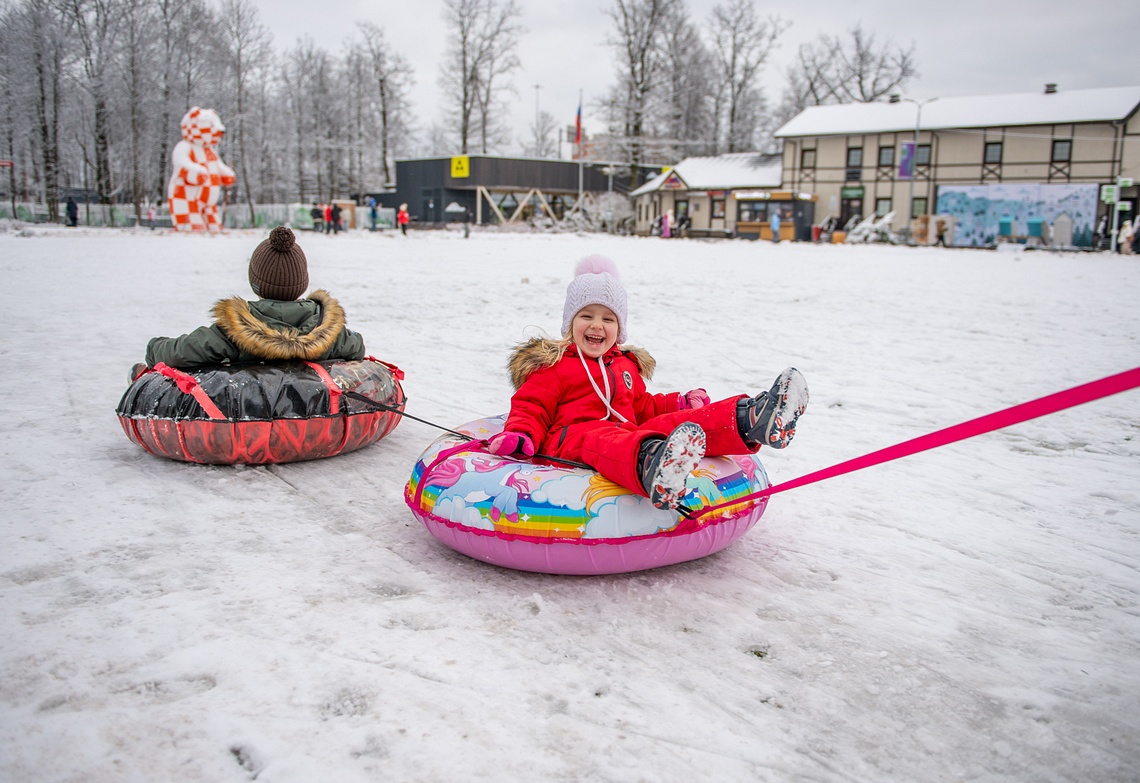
(199, 173)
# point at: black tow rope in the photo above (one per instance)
(391, 409)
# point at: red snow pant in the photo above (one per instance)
(611, 447)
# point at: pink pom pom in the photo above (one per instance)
(596, 265)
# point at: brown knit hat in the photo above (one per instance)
(278, 268)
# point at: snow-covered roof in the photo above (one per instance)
(722, 172)
(978, 111)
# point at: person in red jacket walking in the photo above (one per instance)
(402, 219)
(583, 398)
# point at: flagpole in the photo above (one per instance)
(579, 140)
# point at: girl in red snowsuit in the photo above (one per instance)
(583, 398)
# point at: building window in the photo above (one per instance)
(752, 212)
(882, 206)
(922, 155)
(807, 159)
(917, 207)
(1062, 150)
(993, 152)
(718, 208)
(886, 156)
(854, 164)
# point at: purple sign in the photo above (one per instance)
(906, 160)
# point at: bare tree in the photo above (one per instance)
(137, 63)
(321, 82)
(170, 14)
(686, 108)
(97, 23)
(93, 90)
(41, 32)
(8, 82)
(247, 52)
(638, 27)
(295, 72)
(393, 79)
(869, 73)
(497, 57)
(458, 76)
(742, 43)
(481, 52)
(834, 70)
(542, 142)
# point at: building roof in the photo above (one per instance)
(1104, 104)
(722, 172)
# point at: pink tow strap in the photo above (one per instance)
(188, 384)
(1070, 398)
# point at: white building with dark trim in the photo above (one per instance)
(726, 195)
(1053, 148)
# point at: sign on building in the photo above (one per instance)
(906, 160)
(461, 167)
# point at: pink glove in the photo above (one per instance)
(697, 398)
(507, 443)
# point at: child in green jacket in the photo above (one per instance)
(277, 327)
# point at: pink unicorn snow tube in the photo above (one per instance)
(532, 516)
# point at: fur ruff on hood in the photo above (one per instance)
(254, 336)
(539, 352)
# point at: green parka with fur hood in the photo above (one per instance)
(312, 329)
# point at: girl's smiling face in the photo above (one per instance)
(594, 330)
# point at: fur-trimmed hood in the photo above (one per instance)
(539, 352)
(279, 330)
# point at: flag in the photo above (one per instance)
(906, 160)
(578, 125)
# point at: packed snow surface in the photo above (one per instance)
(968, 614)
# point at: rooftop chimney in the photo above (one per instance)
(895, 97)
(1050, 88)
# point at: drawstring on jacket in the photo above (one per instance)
(605, 398)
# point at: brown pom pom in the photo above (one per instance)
(281, 239)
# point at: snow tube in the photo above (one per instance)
(532, 516)
(261, 413)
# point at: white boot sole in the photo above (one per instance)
(683, 451)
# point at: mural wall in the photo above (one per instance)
(978, 210)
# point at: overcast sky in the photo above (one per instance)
(963, 47)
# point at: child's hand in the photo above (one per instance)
(507, 443)
(697, 398)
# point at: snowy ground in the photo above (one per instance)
(971, 613)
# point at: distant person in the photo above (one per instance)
(318, 216)
(280, 326)
(1125, 237)
(72, 212)
(150, 216)
(334, 213)
(940, 232)
(667, 224)
(328, 218)
(373, 212)
(402, 219)
(774, 222)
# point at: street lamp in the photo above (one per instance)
(914, 169)
(537, 87)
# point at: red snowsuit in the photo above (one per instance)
(558, 408)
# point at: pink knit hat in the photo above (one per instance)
(596, 281)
